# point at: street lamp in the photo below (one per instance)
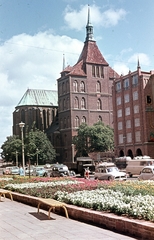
(21, 125)
(72, 153)
(16, 158)
(124, 138)
(36, 156)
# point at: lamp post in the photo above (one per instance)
(36, 156)
(21, 125)
(124, 145)
(72, 153)
(16, 158)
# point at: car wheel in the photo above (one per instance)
(110, 178)
(130, 175)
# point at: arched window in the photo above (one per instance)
(99, 104)
(63, 87)
(83, 103)
(76, 123)
(83, 120)
(98, 87)
(64, 104)
(99, 119)
(97, 71)
(75, 86)
(61, 123)
(76, 102)
(68, 103)
(82, 87)
(64, 122)
(102, 71)
(93, 71)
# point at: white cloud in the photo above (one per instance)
(142, 57)
(77, 19)
(121, 68)
(31, 62)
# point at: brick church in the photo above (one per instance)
(84, 96)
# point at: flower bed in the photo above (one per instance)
(131, 198)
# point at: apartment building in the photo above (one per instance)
(133, 114)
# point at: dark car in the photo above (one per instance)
(59, 170)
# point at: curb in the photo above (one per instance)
(130, 227)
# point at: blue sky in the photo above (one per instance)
(34, 35)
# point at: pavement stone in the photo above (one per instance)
(20, 221)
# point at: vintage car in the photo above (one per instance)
(59, 170)
(108, 171)
(40, 172)
(147, 173)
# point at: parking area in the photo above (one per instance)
(20, 221)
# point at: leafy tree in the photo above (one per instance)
(35, 143)
(81, 141)
(11, 147)
(98, 137)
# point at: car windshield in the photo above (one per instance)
(112, 169)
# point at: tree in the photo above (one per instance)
(36, 144)
(11, 147)
(93, 139)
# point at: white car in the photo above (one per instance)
(108, 171)
(147, 173)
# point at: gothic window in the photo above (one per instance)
(135, 80)
(75, 86)
(126, 83)
(67, 104)
(93, 71)
(67, 87)
(83, 103)
(98, 87)
(63, 87)
(82, 87)
(99, 105)
(102, 72)
(83, 120)
(118, 86)
(76, 102)
(76, 123)
(99, 119)
(97, 71)
(61, 123)
(64, 104)
(64, 122)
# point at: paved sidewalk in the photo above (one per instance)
(20, 221)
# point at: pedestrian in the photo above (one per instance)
(87, 173)
(21, 171)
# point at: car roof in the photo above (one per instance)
(151, 166)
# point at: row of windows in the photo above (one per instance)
(77, 87)
(66, 104)
(128, 138)
(65, 123)
(98, 71)
(128, 124)
(127, 98)
(126, 83)
(127, 111)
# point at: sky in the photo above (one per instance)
(36, 34)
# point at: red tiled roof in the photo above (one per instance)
(91, 54)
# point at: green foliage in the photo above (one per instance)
(92, 139)
(36, 144)
(10, 147)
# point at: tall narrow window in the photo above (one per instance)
(82, 87)
(83, 120)
(99, 119)
(83, 103)
(93, 71)
(75, 86)
(97, 71)
(98, 87)
(102, 72)
(76, 102)
(64, 104)
(99, 105)
(76, 123)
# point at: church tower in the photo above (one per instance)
(84, 94)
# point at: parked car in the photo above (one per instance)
(108, 171)
(40, 171)
(15, 170)
(7, 170)
(147, 173)
(29, 170)
(59, 170)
